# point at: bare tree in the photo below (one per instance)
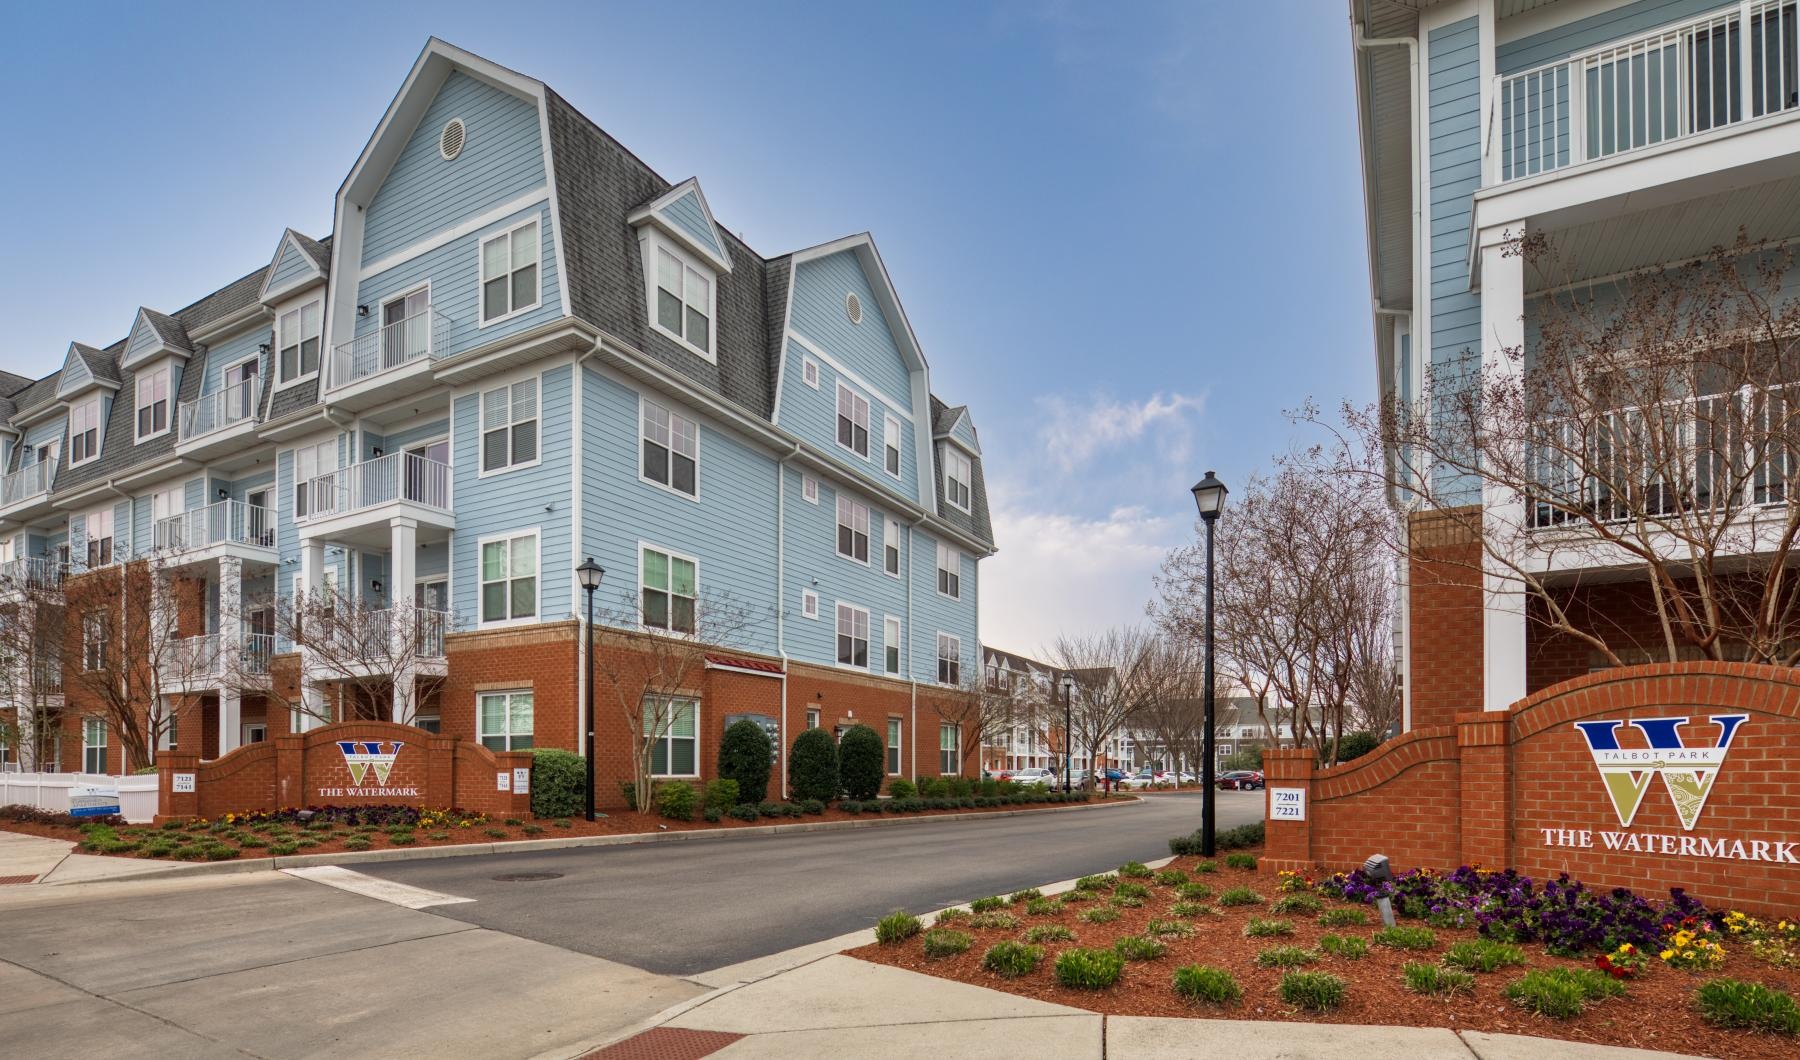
(32, 632)
(1116, 672)
(1650, 431)
(1173, 718)
(361, 646)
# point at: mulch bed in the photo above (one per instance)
(1657, 1011)
(619, 822)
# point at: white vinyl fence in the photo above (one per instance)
(51, 791)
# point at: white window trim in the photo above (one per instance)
(481, 319)
(842, 389)
(941, 637)
(868, 641)
(891, 423)
(653, 241)
(809, 605)
(809, 372)
(481, 423)
(644, 399)
(167, 370)
(112, 529)
(666, 736)
(100, 722)
(899, 645)
(673, 555)
(969, 484)
(99, 430)
(809, 488)
(297, 306)
(837, 525)
(956, 557)
(898, 532)
(537, 615)
(481, 735)
(892, 745)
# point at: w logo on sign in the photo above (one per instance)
(362, 757)
(1688, 773)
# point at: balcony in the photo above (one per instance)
(364, 497)
(31, 574)
(383, 363)
(359, 643)
(222, 528)
(193, 664)
(1663, 87)
(214, 424)
(26, 492)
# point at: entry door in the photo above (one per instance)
(242, 399)
(424, 483)
(404, 335)
(261, 518)
(432, 595)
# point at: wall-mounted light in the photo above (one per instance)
(263, 346)
(374, 451)
(375, 585)
(224, 494)
(362, 310)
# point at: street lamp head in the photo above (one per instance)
(590, 574)
(1209, 497)
(1068, 684)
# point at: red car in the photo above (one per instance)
(1241, 780)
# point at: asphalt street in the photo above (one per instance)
(685, 908)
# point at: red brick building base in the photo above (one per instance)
(1522, 789)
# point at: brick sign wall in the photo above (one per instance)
(1649, 777)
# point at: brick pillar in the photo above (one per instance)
(439, 792)
(1288, 844)
(519, 803)
(168, 803)
(290, 771)
(1482, 742)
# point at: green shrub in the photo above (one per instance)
(1422, 978)
(851, 806)
(897, 926)
(950, 916)
(1169, 929)
(1312, 991)
(1010, 959)
(769, 809)
(1560, 993)
(960, 787)
(992, 901)
(1197, 982)
(1191, 909)
(494, 833)
(1296, 903)
(1249, 835)
(1099, 915)
(1171, 877)
(1206, 866)
(1139, 948)
(628, 790)
(1102, 882)
(901, 788)
(862, 763)
(1135, 870)
(1349, 947)
(1128, 889)
(1241, 896)
(1285, 957)
(355, 842)
(1240, 861)
(1126, 901)
(813, 765)
(812, 806)
(440, 836)
(1049, 933)
(711, 815)
(220, 852)
(1258, 928)
(1351, 745)
(934, 788)
(721, 794)
(994, 918)
(946, 942)
(1027, 894)
(1406, 937)
(1197, 891)
(1734, 1003)
(1343, 918)
(744, 812)
(253, 842)
(1042, 907)
(1483, 955)
(557, 780)
(1089, 969)
(675, 800)
(745, 754)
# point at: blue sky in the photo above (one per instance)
(1128, 235)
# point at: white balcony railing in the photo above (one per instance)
(222, 522)
(366, 637)
(27, 484)
(422, 335)
(204, 657)
(383, 480)
(258, 649)
(1676, 82)
(31, 573)
(216, 411)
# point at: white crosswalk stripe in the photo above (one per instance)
(372, 887)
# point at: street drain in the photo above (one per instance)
(527, 877)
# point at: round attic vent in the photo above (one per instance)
(450, 141)
(853, 306)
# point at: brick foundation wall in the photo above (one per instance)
(1445, 615)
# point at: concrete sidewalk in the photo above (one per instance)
(37, 859)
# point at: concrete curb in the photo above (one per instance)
(526, 846)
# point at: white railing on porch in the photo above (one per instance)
(1680, 81)
(216, 411)
(384, 480)
(31, 573)
(365, 637)
(424, 334)
(222, 522)
(27, 483)
(204, 657)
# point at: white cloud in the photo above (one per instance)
(1074, 432)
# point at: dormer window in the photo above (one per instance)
(297, 339)
(509, 273)
(684, 300)
(152, 403)
(959, 471)
(84, 432)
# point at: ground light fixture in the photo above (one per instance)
(589, 573)
(1379, 872)
(1068, 689)
(1209, 498)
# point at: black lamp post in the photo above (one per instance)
(1209, 497)
(590, 574)
(1068, 687)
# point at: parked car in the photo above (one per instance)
(1032, 776)
(1143, 778)
(1241, 780)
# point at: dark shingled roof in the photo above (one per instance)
(169, 330)
(779, 274)
(11, 384)
(317, 249)
(103, 365)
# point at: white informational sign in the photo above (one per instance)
(1287, 804)
(184, 783)
(93, 801)
(522, 780)
(503, 781)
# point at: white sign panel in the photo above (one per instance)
(1287, 804)
(184, 783)
(522, 780)
(503, 781)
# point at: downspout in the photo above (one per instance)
(780, 600)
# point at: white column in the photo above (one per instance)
(310, 584)
(403, 629)
(231, 652)
(1503, 510)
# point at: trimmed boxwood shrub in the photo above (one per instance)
(721, 794)
(861, 763)
(813, 765)
(556, 780)
(901, 788)
(744, 812)
(744, 756)
(675, 800)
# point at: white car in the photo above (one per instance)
(1033, 776)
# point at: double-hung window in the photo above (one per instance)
(958, 473)
(509, 272)
(949, 659)
(949, 749)
(509, 578)
(297, 340)
(100, 537)
(949, 570)
(853, 529)
(673, 727)
(509, 426)
(890, 547)
(852, 636)
(893, 747)
(153, 403)
(671, 444)
(310, 462)
(891, 453)
(852, 421)
(669, 590)
(93, 745)
(890, 645)
(506, 720)
(684, 300)
(84, 432)
(95, 632)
